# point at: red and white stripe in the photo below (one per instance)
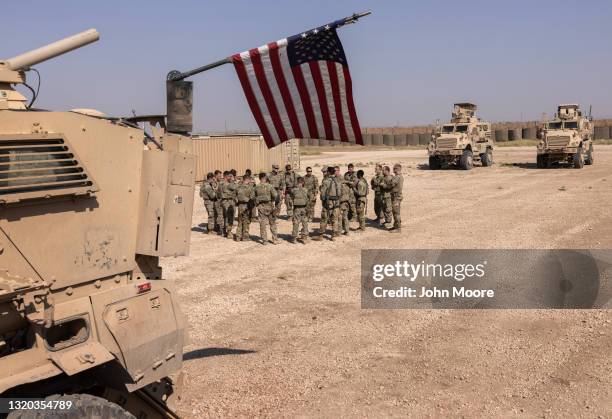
(313, 100)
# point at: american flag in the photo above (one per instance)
(300, 87)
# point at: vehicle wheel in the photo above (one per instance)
(434, 163)
(541, 161)
(467, 160)
(487, 158)
(83, 406)
(579, 159)
(589, 157)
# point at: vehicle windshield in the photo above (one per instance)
(448, 128)
(554, 125)
(571, 125)
(462, 128)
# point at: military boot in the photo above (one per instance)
(318, 237)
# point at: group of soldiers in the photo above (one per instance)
(344, 198)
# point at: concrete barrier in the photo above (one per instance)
(367, 139)
(400, 139)
(515, 134)
(413, 139)
(529, 133)
(424, 139)
(388, 140)
(601, 133)
(377, 139)
(501, 135)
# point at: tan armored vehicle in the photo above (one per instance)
(466, 140)
(567, 138)
(88, 205)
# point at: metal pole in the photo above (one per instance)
(177, 75)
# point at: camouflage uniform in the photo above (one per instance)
(265, 196)
(290, 182)
(331, 189)
(245, 196)
(351, 179)
(323, 218)
(345, 207)
(386, 198)
(376, 184)
(227, 194)
(300, 197)
(361, 193)
(312, 184)
(394, 185)
(209, 195)
(278, 183)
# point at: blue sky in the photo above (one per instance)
(410, 60)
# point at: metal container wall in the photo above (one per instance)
(240, 153)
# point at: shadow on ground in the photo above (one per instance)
(208, 352)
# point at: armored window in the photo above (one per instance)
(571, 125)
(462, 128)
(40, 166)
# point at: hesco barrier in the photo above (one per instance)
(367, 139)
(241, 152)
(424, 139)
(515, 134)
(601, 133)
(400, 139)
(315, 142)
(377, 139)
(529, 133)
(413, 139)
(388, 140)
(501, 135)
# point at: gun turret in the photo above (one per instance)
(12, 70)
(28, 59)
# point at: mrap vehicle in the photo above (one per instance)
(567, 138)
(88, 205)
(467, 139)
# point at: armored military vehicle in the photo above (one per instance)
(467, 139)
(88, 205)
(567, 138)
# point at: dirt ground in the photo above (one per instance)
(278, 330)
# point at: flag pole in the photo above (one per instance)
(175, 75)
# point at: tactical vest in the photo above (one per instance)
(275, 180)
(311, 182)
(263, 193)
(362, 188)
(300, 196)
(244, 193)
(345, 196)
(228, 190)
(332, 189)
(290, 180)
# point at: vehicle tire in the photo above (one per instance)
(83, 406)
(467, 160)
(486, 158)
(541, 161)
(579, 159)
(589, 157)
(434, 163)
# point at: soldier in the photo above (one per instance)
(278, 183)
(351, 180)
(394, 185)
(209, 195)
(227, 194)
(252, 206)
(265, 196)
(300, 197)
(376, 184)
(290, 182)
(220, 178)
(323, 217)
(244, 196)
(361, 195)
(345, 207)
(312, 184)
(386, 195)
(331, 189)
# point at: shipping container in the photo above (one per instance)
(241, 152)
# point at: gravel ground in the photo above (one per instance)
(278, 331)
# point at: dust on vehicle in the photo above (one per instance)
(567, 138)
(464, 141)
(88, 205)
